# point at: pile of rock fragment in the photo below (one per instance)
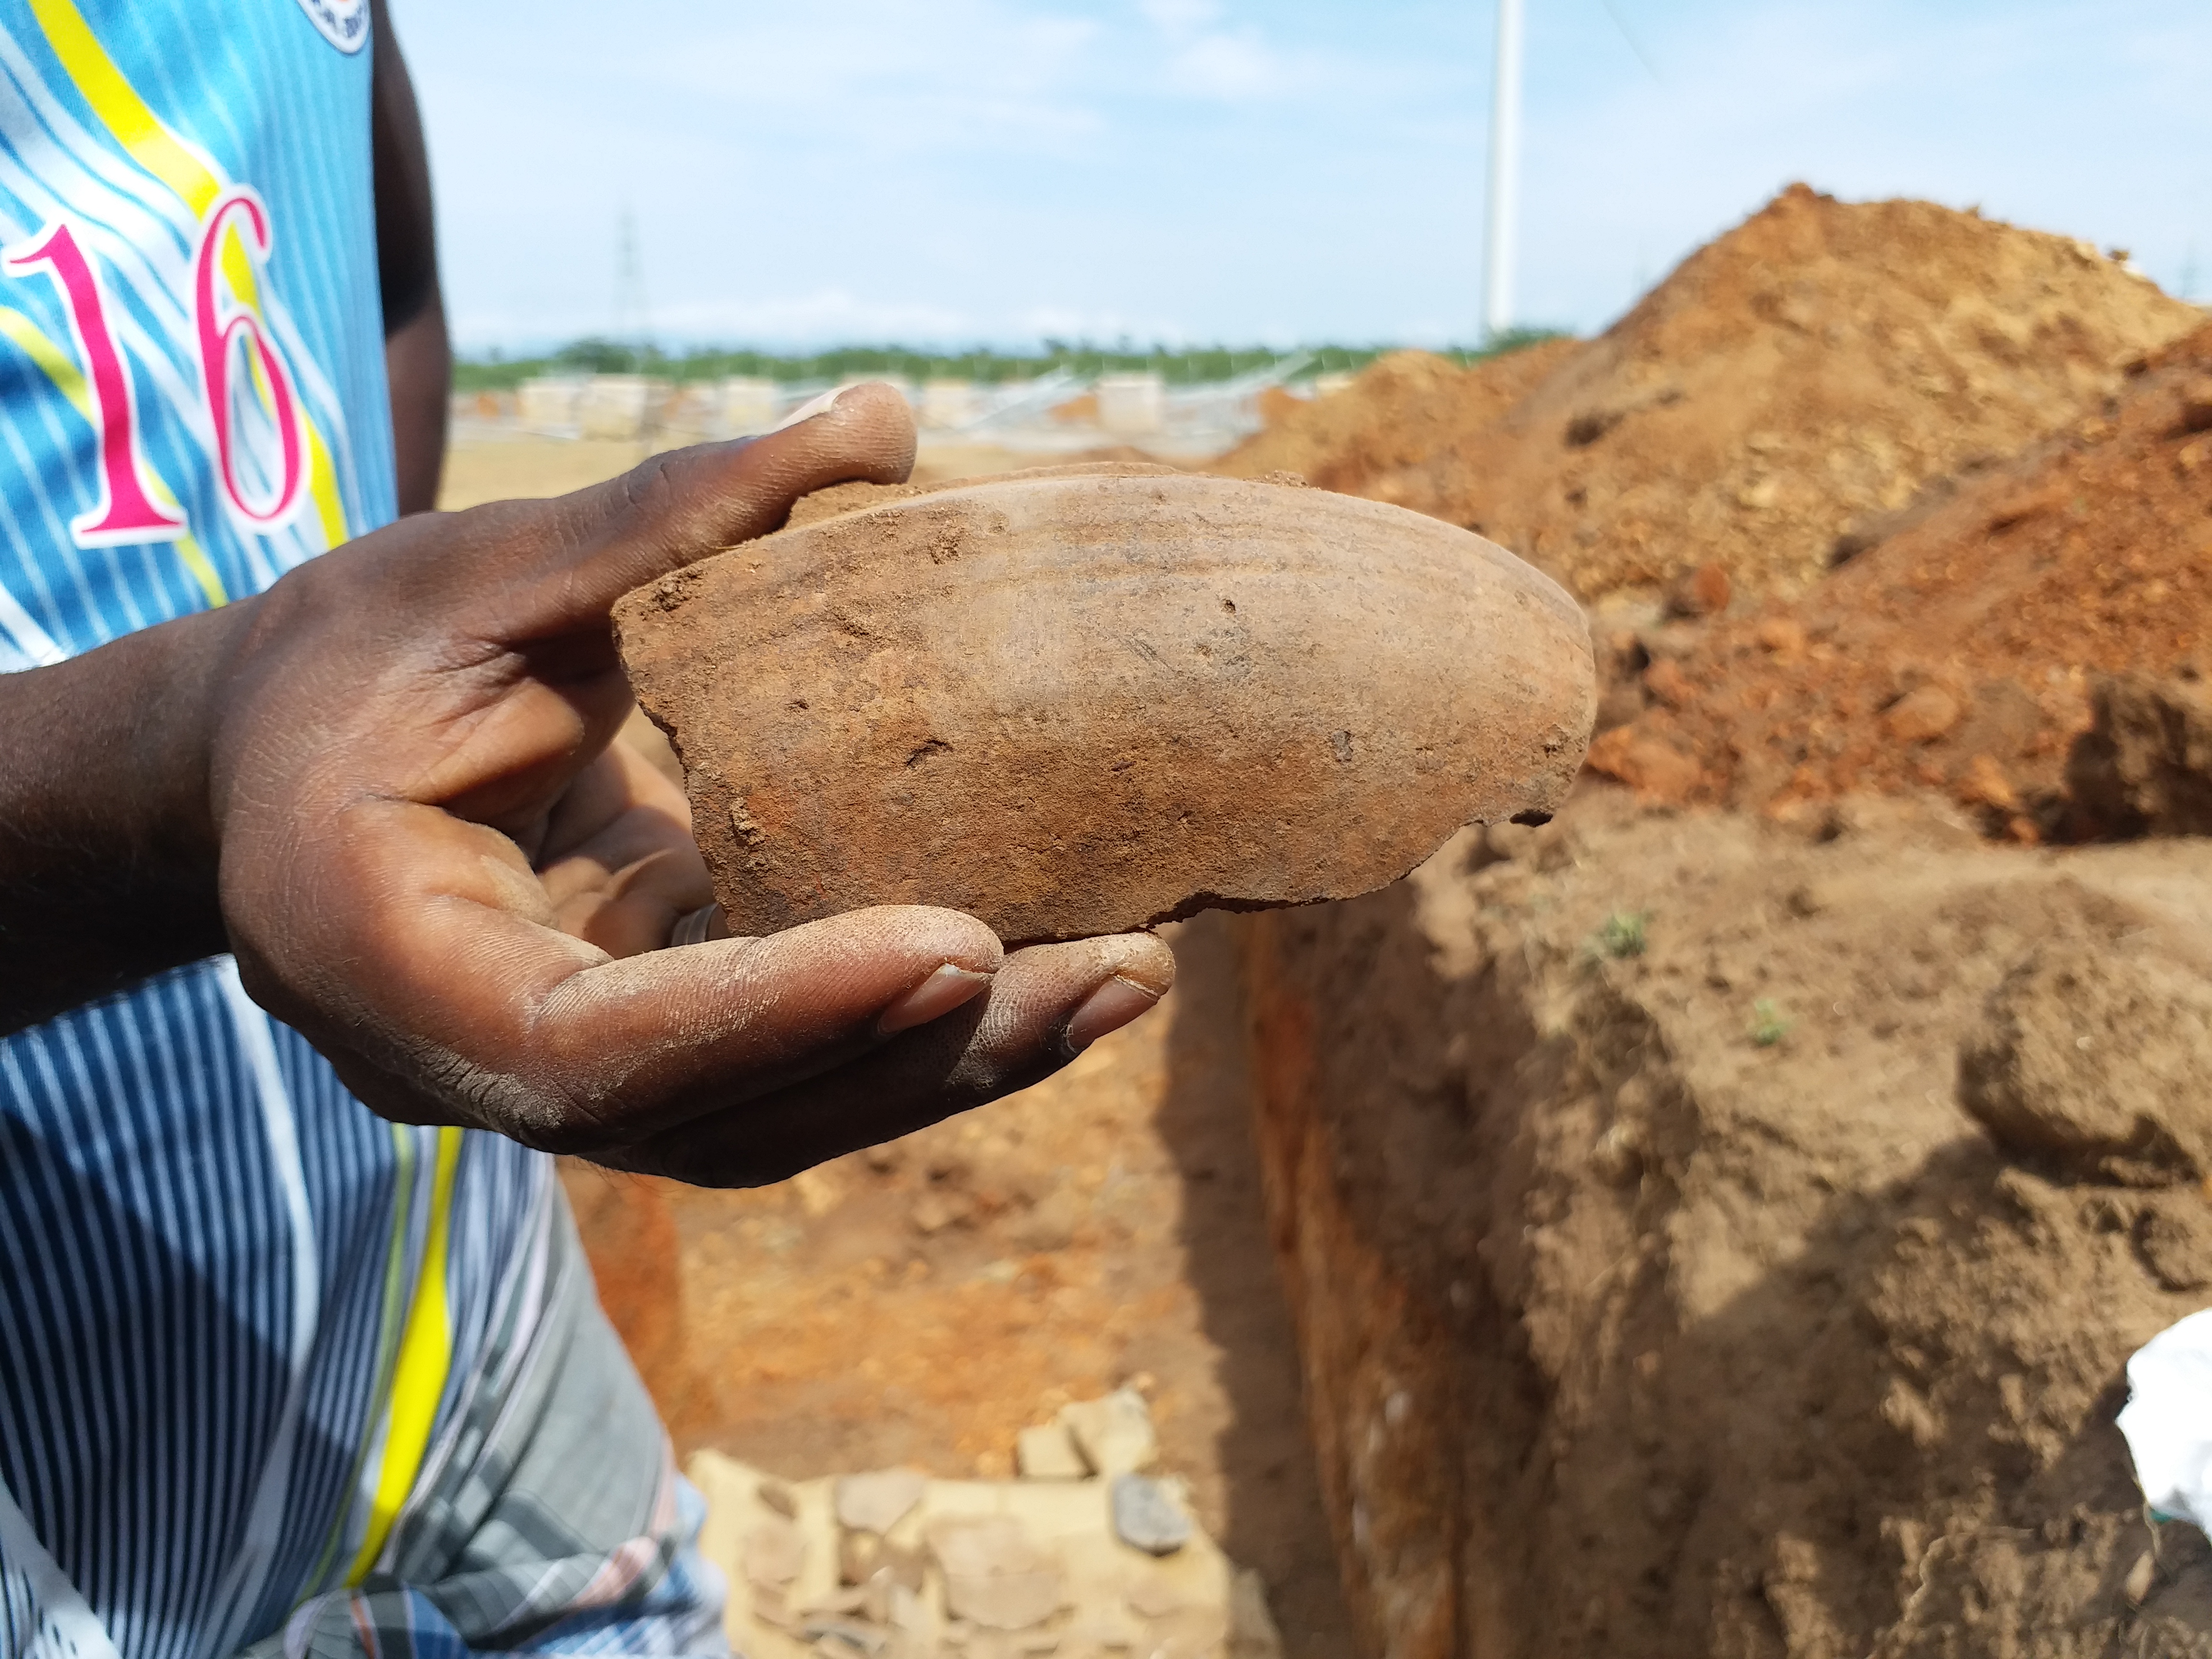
(1089, 1552)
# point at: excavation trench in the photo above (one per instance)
(1655, 1293)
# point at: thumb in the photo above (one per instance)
(676, 509)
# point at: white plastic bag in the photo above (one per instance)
(2167, 1420)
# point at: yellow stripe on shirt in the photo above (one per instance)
(426, 1356)
(116, 101)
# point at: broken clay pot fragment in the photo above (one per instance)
(1078, 701)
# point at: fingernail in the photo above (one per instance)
(935, 997)
(1109, 1008)
(809, 410)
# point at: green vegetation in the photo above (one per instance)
(1626, 933)
(1768, 1024)
(495, 373)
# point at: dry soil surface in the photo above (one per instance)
(923, 1303)
(1959, 653)
(1786, 388)
(1660, 1292)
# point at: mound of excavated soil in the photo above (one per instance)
(1961, 654)
(1397, 433)
(1660, 1292)
(1787, 385)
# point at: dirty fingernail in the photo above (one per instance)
(935, 997)
(1109, 1008)
(809, 410)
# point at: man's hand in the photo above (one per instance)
(433, 863)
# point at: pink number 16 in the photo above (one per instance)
(125, 511)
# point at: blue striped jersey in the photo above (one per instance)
(242, 1319)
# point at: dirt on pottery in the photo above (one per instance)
(1075, 702)
(1961, 654)
(1785, 388)
(1711, 1240)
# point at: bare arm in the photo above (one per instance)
(107, 850)
(418, 358)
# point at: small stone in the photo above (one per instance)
(2145, 765)
(909, 1612)
(1146, 1517)
(840, 1638)
(1048, 1452)
(777, 1496)
(775, 1552)
(2175, 1243)
(1053, 1223)
(2141, 1577)
(933, 1211)
(1153, 1595)
(1195, 1632)
(877, 1503)
(1922, 716)
(1705, 592)
(1668, 683)
(2196, 406)
(1660, 774)
(1114, 1434)
(878, 1596)
(1252, 1630)
(859, 1556)
(996, 1573)
(1985, 784)
(2092, 1061)
(1783, 635)
(1012, 1601)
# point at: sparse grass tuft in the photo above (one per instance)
(1626, 933)
(1768, 1024)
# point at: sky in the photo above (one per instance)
(998, 171)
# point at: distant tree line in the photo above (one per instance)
(493, 372)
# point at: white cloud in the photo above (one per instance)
(1230, 67)
(1180, 19)
(954, 74)
(1209, 62)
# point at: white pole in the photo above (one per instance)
(1505, 174)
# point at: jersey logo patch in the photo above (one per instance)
(344, 23)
